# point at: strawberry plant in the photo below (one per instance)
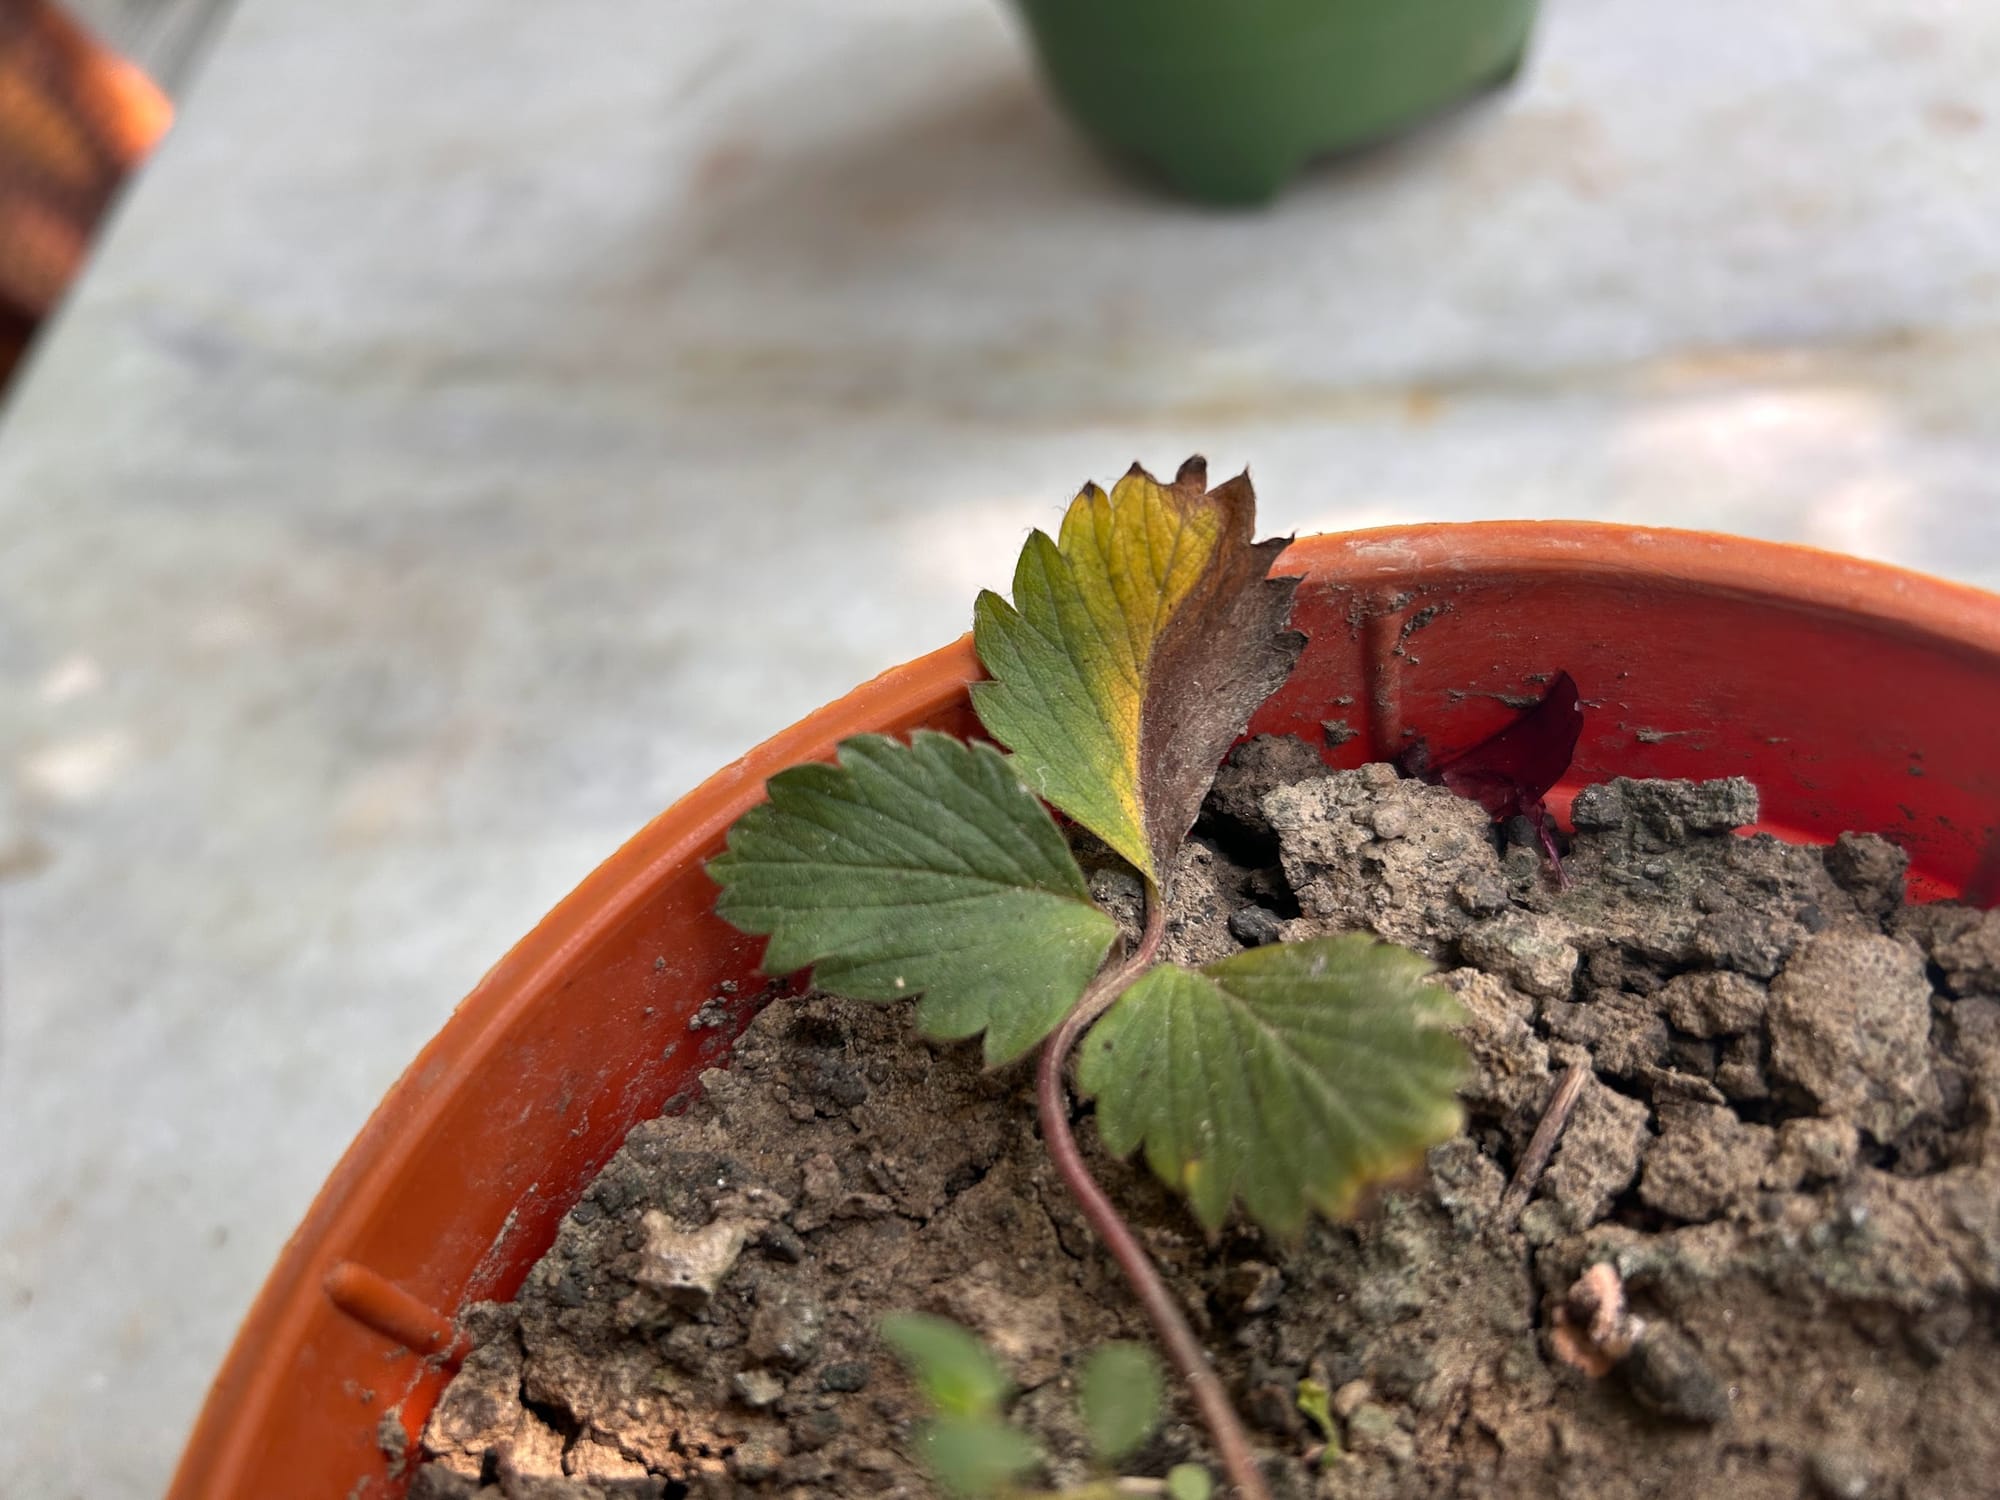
(1284, 1079)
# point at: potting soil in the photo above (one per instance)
(1782, 1167)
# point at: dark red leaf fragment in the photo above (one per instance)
(1983, 889)
(1510, 772)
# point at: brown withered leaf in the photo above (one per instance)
(1138, 644)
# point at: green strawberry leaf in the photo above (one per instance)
(1290, 1076)
(1138, 645)
(1119, 1395)
(921, 869)
(1189, 1482)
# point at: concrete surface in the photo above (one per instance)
(484, 421)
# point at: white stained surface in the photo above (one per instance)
(486, 419)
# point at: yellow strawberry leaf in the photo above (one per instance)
(1137, 646)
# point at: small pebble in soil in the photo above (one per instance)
(1850, 1024)
(1529, 950)
(846, 1375)
(758, 1387)
(1254, 926)
(1670, 1375)
(1254, 1287)
(683, 1265)
(1841, 1473)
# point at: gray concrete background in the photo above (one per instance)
(484, 420)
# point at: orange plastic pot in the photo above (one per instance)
(1856, 696)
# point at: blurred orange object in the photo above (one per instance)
(74, 120)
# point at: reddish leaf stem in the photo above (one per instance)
(1232, 1443)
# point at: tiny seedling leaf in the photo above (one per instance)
(1290, 1076)
(957, 1374)
(975, 1455)
(1189, 1482)
(921, 869)
(1119, 1395)
(1315, 1404)
(1138, 644)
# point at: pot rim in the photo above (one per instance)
(1949, 616)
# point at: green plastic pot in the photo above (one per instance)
(1227, 99)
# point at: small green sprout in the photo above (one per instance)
(968, 1444)
(1316, 1406)
(1119, 1396)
